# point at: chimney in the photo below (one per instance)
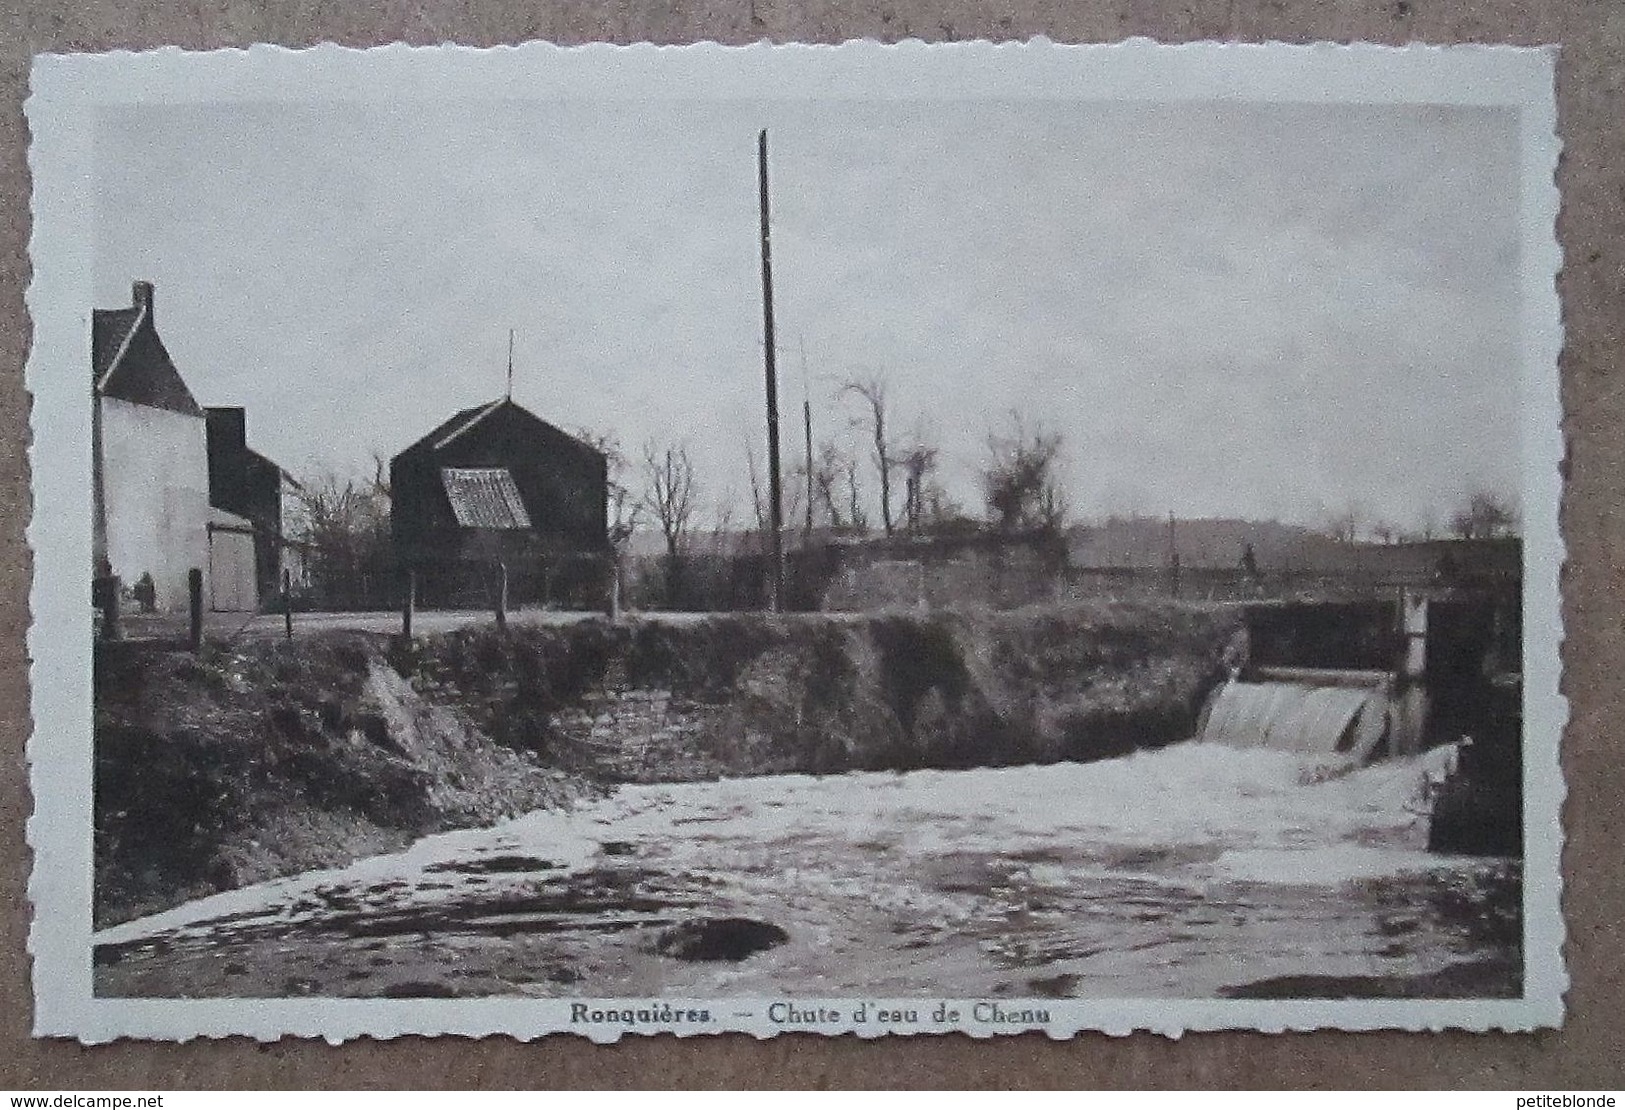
(141, 297)
(227, 430)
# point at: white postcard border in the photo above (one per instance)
(67, 90)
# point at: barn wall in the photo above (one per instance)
(156, 482)
(562, 483)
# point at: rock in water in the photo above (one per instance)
(719, 938)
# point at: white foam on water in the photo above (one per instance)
(1325, 866)
(1177, 818)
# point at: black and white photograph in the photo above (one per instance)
(878, 540)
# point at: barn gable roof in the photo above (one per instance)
(460, 423)
(130, 363)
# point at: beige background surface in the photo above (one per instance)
(1591, 107)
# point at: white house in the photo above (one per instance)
(150, 476)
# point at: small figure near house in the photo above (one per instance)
(145, 593)
(1252, 579)
(1249, 563)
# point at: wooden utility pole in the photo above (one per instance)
(775, 494)
(510, 364)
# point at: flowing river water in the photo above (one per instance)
(1193, 871)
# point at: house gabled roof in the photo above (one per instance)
(110, 330)
(249, 458)
(286, 476)
(129, 362)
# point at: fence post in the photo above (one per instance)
(1173, 557)
(106, 590)
(409, 601)
(194, 589)
(502, 595)
(287, 604)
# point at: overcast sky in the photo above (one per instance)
(1226, 310)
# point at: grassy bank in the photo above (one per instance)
(239, 765)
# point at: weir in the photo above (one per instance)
(1363, 680)
(1336, 719)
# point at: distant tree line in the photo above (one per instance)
(891, 485)
(1482, 515)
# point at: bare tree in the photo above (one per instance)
(758, 494)
(623, 508)
(1485, 516)
(668, 493)
(795, 494)
(919, 465)
(941, 514)
(722, 521)
(857, 518)
(380, 476)
(1430, 523)
(345, 529)
(761, 498)
(872, 391)
(1345, 526)
(828, 468)
(1019, 482)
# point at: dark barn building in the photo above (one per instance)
(244, 482)
(496, 484)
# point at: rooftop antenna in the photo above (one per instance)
(510, 364)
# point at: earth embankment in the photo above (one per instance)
(246, 763)
(743, 694)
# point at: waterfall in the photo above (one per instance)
(1299, 717)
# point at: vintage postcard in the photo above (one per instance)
(865, 539)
